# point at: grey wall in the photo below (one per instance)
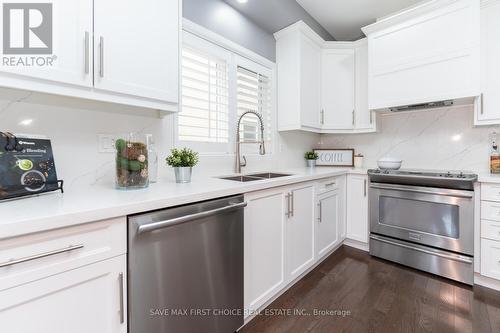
(223, 19)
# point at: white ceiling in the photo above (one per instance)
(343, 19)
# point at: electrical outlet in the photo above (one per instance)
(107, 143)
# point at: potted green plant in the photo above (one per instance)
(182, 160)
(311, 158)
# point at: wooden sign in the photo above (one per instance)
(335, 157)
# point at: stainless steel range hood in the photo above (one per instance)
(423, 106)
(431, 105)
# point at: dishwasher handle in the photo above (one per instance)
(183, 219)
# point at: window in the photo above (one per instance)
(217, 86)
(205, 98)
(253, 94)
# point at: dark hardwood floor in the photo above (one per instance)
(374, 295)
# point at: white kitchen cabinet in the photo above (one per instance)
(264, 245)
(111, 51)
(357, 208)
(329, 220)
(488, 110)
(300, 230)
(322, 86)
(135, 48)
(364, 119)
(87, 299)
(413, 59)
(70, 59)
(337, 88)
(298, 60)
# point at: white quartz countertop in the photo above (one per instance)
(489, 178)
(56, 210)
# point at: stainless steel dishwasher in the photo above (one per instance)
(185, 267)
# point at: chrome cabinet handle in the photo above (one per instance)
(320, 205)
(87, 52)
(41, 255)
(365, 188)
(287, 197)
(482, 103)
(371, 117)
(183, 219)
(122, 310)
(101, 56)
(322, 117)
(292, 204)
(330, 184)
(353, 118)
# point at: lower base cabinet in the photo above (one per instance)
(357, 208)
(282, 237)
(299, 231)
(91, 298)
(264, 248)
(330, 221)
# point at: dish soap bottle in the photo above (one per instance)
(494, 156)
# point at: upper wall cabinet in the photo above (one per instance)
(322, 86)
(344, 88)
(298, 61)
(488, 111)
(429, 52)
(136, 47)
(124, 52)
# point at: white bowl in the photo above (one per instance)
(389, 163)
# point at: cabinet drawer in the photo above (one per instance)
(31, 257)
(490, 258)
(490, 192)
(490, 210)
(328, 184)
(490, 230)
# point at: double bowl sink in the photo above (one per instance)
(255, 176)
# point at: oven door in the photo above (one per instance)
(441, 218)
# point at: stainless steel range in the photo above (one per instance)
(424, 219)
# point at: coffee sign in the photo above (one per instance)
(335, 157)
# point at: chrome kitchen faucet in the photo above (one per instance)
(262, 148)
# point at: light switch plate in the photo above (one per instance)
(106, 143)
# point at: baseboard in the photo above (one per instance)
(356, 244)
(486, 282)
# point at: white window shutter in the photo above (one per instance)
(205, 98)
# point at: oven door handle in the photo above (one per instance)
(437, 253)
(415, 189)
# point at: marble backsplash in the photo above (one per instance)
(428, 139)
(74, 126)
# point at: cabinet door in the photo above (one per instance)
(364, 117)
(337, 88)
(87, 299)
(489, 110)
(264, 247)
(357, 208)
(328, 220)
(310, 63)
(70, 60)
(137, 47)
(300, 231)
